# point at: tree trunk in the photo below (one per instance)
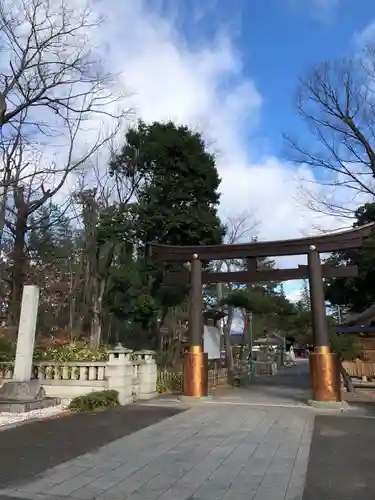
(347, 379)
(18, 270)
(228, 347)
(97, 306)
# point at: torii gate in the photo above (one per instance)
(324, 368)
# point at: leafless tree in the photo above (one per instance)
(336, 100)
(58, 108)
(48, 63)
(109, 191)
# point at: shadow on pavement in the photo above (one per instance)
(32, 448)
(342, 459)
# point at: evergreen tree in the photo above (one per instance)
(176, 201)
(305, 302)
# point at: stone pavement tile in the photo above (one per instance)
(121, 490)
(86, 493)
(63, 474)
(68, 487)
(270, 493)
(210, 491)
(179, 492)
(231, 495)
(162, 482)
(247, 485)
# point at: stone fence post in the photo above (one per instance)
(147, 374)
(119, 372)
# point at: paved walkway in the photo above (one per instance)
(207, 453)
(225, 450)
(289, 387)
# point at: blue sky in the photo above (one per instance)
(230, 69)
(277, 41)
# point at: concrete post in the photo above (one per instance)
(26, 334)
(119, 373)
(147, 374)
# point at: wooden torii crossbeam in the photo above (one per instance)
(262, 275)
(324, 367)
(326, 243)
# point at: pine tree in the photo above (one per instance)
(305, 296)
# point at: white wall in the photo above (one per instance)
(211, 341)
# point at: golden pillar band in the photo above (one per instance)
(324, 366)
(195, 372)
(325, 375)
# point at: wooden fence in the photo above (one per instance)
(359, 368)
(170, 380)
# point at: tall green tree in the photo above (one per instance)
(176, 197)
(356, 293)
(304, 302)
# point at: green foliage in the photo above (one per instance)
(256, 301)
(71, 352)
(176, 192)
(355, 293)
(7, 350)
(305, 302)
(95, 401)
(178, 198)
(346, 346)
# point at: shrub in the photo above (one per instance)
(162, 387)
(71, 352)
(94, 401)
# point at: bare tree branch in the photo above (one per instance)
(48, 61)
(336, 102)
(58, 108)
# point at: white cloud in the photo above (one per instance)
(366, 35)
(293, 291)
(205, 88)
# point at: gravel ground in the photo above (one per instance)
(14, 418)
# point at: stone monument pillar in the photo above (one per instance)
(23, 394)
(26, 334)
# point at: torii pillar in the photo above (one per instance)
(324, 365)
(196, 360)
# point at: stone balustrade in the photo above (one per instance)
(132, 374)
(83, 371)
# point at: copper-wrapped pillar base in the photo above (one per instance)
(196, 372)
(325, 375)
